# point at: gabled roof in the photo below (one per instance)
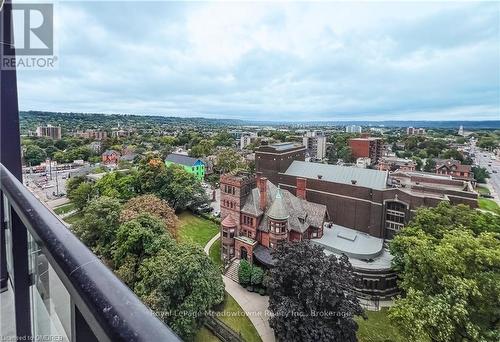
(301, 213)
(339, 174)
(448, 163)
(182, 159)
(110, 152)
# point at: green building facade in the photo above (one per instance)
(194, 166)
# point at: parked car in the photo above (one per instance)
(204, 208)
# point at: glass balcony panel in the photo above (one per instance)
(8, 238)
(50, 301)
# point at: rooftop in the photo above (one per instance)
(363, 250)
(283, 146)
(339, 174)
(301, 213)
(182, 159)
(366, 139)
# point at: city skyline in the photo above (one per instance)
(273, 62)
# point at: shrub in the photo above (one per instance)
(262, 292)
(244, 272)
(257, 275)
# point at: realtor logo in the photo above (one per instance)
(33, 29)
(30, 44)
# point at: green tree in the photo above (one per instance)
(117, 184)
(73, 183)
(228, 160)
(448, 261)
(34, 155)
(345, 153)
(136, 240)
(430, 165)
(180, 284)
(173, 184)
(81, 195)
(310, 295)
(154, 206)
(50, 150)
(480, 174)
(203, 149)
(244, 272)
(97, 228)
(257, 276)
(453, 154)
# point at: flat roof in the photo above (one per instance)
(339, 174)
(284, 146)
(363, 250)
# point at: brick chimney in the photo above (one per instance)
(263, 193)
(301, 188)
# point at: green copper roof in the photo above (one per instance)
(277, 210)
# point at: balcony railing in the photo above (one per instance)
(61, 290)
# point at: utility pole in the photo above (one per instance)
(50, 168)
(57, 185)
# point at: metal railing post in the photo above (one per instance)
(10, 157)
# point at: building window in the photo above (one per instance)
(247, 220)
(277, 227)
(395, 218)
(231, 233)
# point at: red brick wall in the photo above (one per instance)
(264, 239)
(360, 148)
(294, 236)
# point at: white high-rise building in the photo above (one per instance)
(315, 143)
(461, 130)
(353, 129)
(49, 131)
(247, 139)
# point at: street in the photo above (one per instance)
(484, 159)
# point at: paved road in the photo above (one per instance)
(254, 305)
(483, 159)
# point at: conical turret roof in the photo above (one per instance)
(228, 222)
(277, 210)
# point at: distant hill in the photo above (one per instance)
(29, 120)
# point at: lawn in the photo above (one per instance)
(234, 316)
(205, 335)
(65, 208)
(483, 190)
(73, 218)
(487, 204)
(200, 231)
(215, 253)
(196, 229)
(377, 328)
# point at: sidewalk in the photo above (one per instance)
(254, 305)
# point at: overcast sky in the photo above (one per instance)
(280, 61)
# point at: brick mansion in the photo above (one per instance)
(345, 210)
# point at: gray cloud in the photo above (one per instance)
(284, 61)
